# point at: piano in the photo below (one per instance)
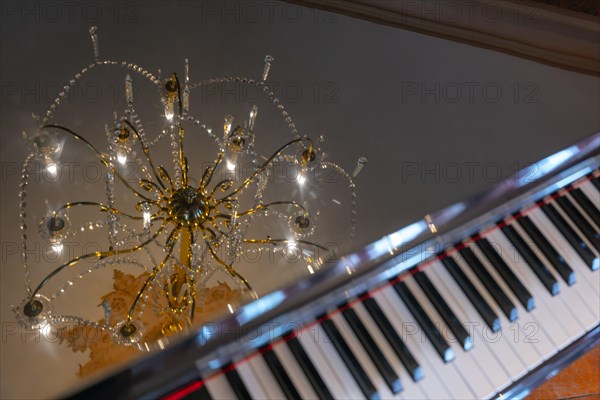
(486, 298)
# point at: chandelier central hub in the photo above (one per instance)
(188, 208)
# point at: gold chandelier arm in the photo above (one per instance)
(165, 175)
(266, 163)
(266, 206)
(214, 224)
(228, 268)
(212, 233)
(154, 185)
(277, 241)
(99, 255)
(103, 208)
(104, 161)
(146, 152)
(183, 165)
(187, 240)
(220, 216)
(222, 184)
(152, 276)
(209, 172)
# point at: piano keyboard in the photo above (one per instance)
(466, 323)
(486, 298)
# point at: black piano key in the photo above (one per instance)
(342, 348)
(559, 263)
(406, 358)
(309, 369)
(595, 182)
(379, 359)
(457, 328)
(236, 383)
(435, 337)
(515, 285)
(489, 316)
(282, 378)
(536, 265)
(505, 304)
(572, 237)
(587, 205)
(200, 394)
(579, 220)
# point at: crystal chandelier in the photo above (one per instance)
(197, 221)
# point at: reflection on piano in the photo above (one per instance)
(483, 299)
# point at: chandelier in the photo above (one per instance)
(182, 225)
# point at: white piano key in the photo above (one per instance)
(362, 357)
(432, 383)
(251, 382)
(326, 360)
(568, 317)
(497, 356)
(544, 311)
(537, 326)
(219, 388)
(587, 285)
(452, 380)
(498, 344)
(590, 191)
(530, 352)
(468, 365)
(265, 378)
(410, 389)
(294, 371)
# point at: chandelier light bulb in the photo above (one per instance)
(52, 170)
(122, 157)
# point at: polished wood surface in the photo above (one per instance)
(580, 380)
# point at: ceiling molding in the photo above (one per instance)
(546, 34)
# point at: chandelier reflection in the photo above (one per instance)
(198, 224)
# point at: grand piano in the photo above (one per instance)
(483, 299)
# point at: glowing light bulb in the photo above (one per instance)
(58, 248)
(301, 178)
(230, 165)
(170, 109)
(45, 329)
(310, 269)
(121, 157)
(146, 216)
(52, 169)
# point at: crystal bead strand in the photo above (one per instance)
(174, 135)
(97, 265)
(64, 92)
(352, 187)
(261, 86)
(57, 319)
(23, 216)
(186, 90)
